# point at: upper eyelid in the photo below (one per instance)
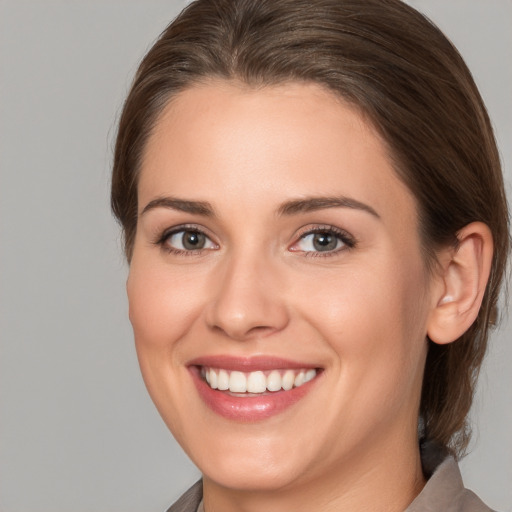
(347, 239)
(163, 235)
(163, 241)
(186, 227)
(319, 228)
(343, 234)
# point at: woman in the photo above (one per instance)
(317, 230)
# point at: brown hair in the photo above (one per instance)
(403, 74)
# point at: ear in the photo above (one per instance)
(461, 283)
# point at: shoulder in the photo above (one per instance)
(445, 491)
(189, 501)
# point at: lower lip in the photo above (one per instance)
(251, 408)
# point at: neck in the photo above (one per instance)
(387, 477)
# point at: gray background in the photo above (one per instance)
(78, 432)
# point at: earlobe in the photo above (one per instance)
(462, 282)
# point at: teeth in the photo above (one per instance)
(257, 382)
(310, 375)
(289, 379)
(299, 379)
(222, 380)
(237, 382)
(213, 379)
(274, 381)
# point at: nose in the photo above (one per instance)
(247, 300)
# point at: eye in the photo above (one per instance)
(187, 240)
(326, 240)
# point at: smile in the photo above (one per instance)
(257, 382)
(252, 389)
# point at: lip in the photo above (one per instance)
(249, 364)
(250, 408)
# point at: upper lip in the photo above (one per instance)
(249, 364)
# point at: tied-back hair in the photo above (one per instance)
(403, 75)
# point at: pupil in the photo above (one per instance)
(193, 240)
(324, 242)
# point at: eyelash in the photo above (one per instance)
(162, 240)
(343, 236)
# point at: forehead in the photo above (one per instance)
(298, 139)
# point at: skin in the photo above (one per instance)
(360, 312)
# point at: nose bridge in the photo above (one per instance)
(246, 300)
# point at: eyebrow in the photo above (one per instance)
(196, 207)
(293, 207)
(311, 204)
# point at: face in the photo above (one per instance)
(277, 291)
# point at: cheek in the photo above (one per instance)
(374, 322)
(162, 305)
(162, 309)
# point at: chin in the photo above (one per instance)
(256, 475)
(249, 462)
